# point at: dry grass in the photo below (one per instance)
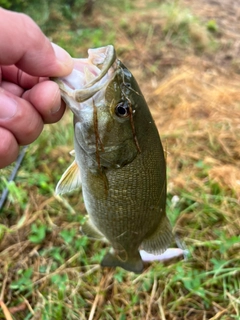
(200, 112)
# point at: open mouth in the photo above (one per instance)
(90, 75)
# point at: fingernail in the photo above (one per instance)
(56, 102)
(63, 57)
(8, 107)
(55, 109)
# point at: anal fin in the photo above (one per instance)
(70, 180)
(159, 241)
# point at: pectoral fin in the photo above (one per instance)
(70, 180)
(159, 241)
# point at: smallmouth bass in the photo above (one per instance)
(119, 160)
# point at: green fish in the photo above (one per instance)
(119, 160)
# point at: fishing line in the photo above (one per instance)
(12, 176)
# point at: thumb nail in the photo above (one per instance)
(64, 58)
(8, 107)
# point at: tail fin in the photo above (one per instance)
(133, 263)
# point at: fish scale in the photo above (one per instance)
(129, 210)
(120, 159)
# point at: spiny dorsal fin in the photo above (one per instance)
(70, 180)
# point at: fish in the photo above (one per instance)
(119, 160)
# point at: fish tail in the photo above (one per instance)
(159, 241)
(133, 263)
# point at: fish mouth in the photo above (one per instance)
(104, 57)
(89, 75)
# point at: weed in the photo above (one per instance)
(16, 195)
(212, 26)
(38, 233)
(23, 282)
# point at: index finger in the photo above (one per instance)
(22, 43)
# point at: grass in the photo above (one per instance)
(49, 271)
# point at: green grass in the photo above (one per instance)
(50, 267)
(48, 270)
(57, 262)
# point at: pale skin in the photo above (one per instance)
(28, 98)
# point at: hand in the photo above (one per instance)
(28, 99)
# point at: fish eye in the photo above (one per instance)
(122, 109)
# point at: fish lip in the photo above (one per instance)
(88, 90)
(107, 64)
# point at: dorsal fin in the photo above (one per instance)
(70, 180)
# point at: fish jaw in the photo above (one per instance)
(104, 56)
(89, 77)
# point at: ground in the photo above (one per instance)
(184, 55)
